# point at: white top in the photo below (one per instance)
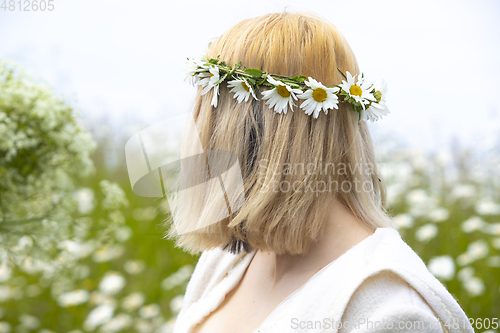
(378, 284)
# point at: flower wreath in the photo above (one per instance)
(365, 98)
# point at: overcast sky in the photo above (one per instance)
(125, 59)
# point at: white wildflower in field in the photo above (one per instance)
(32, 266)
(478, 249)
(29, 321)
(487, 207)
(97, 298)
(149, 311)
(474, 286)
(439, 214)
(493, 229)
(176, 303)
(420, 202)
(134, 266)
(5, 272)
(5, 327)
(472, 224)
(108, 253)
(426, 232)
(403, 221)
(118, 323)
(98, 316)
(465, 273)
(23, 243)
(463, 191)
(112, 283)
(417, 197)
(72, 298)
(114, 196)
(85, 200)
(133, 301)
(464, 259)
(442, 267)
(123, 234)
(76, 248)
(182, 275)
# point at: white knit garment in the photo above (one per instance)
(379, 285)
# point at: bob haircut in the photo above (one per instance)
(285, 205)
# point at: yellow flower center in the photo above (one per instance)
(319, 94)
(211, 74)
(355, 90)
(378, 96)
(283, 91)
(244, 85)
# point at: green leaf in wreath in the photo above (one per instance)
(299, 78)
(253, 72)
(214, 60)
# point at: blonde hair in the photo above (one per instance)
(282, 221)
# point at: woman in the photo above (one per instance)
(305, 244)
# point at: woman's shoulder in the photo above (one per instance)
(392, 282)
(386, 302)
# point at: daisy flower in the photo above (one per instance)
(280, 96)
(241, 89)
(358, 90)
(194, 67)
(318, 98)
(208, 82)
(377, 109)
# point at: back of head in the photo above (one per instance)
(292, 165)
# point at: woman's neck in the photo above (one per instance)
(342, 230)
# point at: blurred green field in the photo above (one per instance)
(111, 271)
